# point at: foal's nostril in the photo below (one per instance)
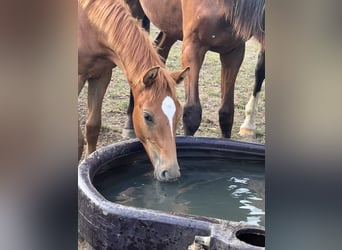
(168, 175)
(164, 174)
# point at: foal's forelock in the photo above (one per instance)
(163, 84)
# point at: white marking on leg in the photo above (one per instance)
(169, 109)
(250, 113)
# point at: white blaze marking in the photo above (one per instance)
(169, 109)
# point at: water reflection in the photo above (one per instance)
(250, 194)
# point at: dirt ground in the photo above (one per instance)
(117, 97)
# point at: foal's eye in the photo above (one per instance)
(148, 117)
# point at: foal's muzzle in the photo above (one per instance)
(167, 173)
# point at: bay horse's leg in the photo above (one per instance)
(248, 128)
(96, 90)
(146, 23)
(81, 141)
(192, 56)
(230, 65)
(163, 44)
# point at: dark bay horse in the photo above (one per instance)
(222, 26)
(109, 36)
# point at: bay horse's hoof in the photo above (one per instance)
(128, 133)
(247, 132)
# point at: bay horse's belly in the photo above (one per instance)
(166, 15)
(201, 21)
(215, 34)
(205, 23)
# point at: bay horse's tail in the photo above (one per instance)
(248, 18)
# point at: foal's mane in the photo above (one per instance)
(124, 35)
(247, 18)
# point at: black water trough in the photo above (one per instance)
(108, 225)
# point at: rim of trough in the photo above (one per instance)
(121, 149)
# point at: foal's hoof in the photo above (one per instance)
(128, 133)
(247, 133)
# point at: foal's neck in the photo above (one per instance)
(123, 35)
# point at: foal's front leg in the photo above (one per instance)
(96, 90)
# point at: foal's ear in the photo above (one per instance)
(179, 76)
(150, 75)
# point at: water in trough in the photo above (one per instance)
(212, 184)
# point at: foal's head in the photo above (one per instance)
(155, 117)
